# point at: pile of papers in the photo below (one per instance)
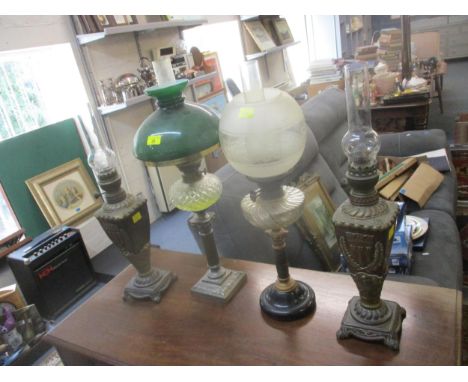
(389, 48)
(323, 71)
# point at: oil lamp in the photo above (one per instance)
(263, 135)
(365, 223)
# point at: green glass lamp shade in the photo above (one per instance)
(178, 131)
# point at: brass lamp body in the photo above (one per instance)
(364, 226)
(125, 220)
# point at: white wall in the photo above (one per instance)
(20, 32)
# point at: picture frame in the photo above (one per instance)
(104, 21)
(283, 32)
(316, 223)
(259, 34)
(12, 235)
(124, 19)
(65, 194)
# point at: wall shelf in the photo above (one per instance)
(109, 109)
(87, 38)
(256, 56)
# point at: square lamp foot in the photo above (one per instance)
(388, 332)
(223, 288)
(154, 291)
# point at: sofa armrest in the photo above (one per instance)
(412, 142)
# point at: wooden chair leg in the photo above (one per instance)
(439, 93)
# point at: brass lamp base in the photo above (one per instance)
(221, 285)
(384, 325)
(153, 291)
(288, 305)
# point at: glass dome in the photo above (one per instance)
(177, 131)
(263, 133)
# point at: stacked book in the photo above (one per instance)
(323, 71)
(366, 53)
(389, 48)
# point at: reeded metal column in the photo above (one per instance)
(196, 192)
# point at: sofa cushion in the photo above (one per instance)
(326, 117)
(412, 142)
(441, 259)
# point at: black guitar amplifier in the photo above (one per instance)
(53, 270)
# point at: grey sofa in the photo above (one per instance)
(325, 114)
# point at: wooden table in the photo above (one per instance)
(400, 117)
(186, 329)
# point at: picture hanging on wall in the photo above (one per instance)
(65, 194)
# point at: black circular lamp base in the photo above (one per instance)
(288, 306)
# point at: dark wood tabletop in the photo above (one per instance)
(186, 329)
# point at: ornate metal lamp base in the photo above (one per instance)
(383, 325)
(153, 291)
(221, 285)
(288, 305)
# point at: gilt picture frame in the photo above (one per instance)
(282, 31)
(260, 35)
(316, 223)
(65, 194)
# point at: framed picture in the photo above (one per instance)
(282, 31)
(12, 235)
(212, 63)
(124, 19)
(316, 223)
(65, 194)
(259, 35)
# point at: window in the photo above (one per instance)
(39, 86)
(223, 38)
(320, 39)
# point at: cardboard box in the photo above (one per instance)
(402, 166)
(422, 184)
(392, 189)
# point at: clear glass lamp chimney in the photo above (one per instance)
(361, 143)
(101, 160)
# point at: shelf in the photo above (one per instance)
(109, 109)
(248, 17)
(256, 56)
(87, 38)
(203, 77)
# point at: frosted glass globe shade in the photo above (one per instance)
(263, 138)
